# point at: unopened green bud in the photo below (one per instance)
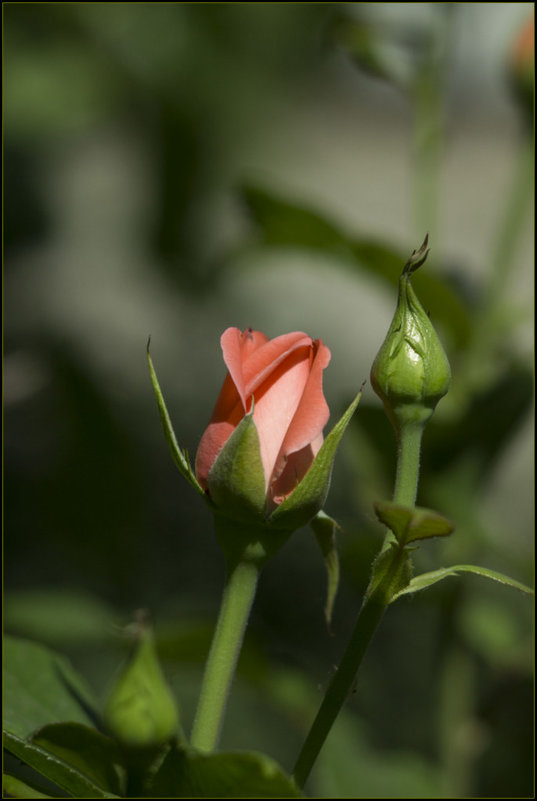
(141, 710)
(411, 371)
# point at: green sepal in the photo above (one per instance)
(426, 580)
(324, 530)
(141, 710)
(236, 480)
(310, 494)
(390, 571)
(179, 457)
(412, 523)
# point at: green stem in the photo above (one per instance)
(369, 616)
(408, 464)
(237, 599)
(340, 688)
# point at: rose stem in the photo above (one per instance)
(370, 615)
(237, 599)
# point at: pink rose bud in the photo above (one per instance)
(281, 379)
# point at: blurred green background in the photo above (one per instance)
(174, 169)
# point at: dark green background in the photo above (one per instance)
(146, 150)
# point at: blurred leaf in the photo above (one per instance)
(56, 90)
(15, 788)
(55, 769)
(186, 774)
(498, 631)
(285, 223)
(28, 777)
(41, 687)
(486, 426)
(59, 616)
(349, 767)
(361, 41)
(410, 524)
(324, 530)
(85, 749)
(426, 580)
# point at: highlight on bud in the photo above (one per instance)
(411, 372)
(141, 710)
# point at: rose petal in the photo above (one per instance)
(232, 401)
(237, 346)
(226, 416)
(312, 412)
(266, 359)
(276, 402)
(296, 467)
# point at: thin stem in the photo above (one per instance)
(369, 616)
(408, 464)
(340, 687)
(237, 599)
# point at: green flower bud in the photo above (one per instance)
(141, 710)
(411, 371)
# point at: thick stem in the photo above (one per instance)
(239, 593)
(370, 615)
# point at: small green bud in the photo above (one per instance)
(411, 371)
(141, 710)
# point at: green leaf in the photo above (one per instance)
(186, 774)
(15, 788)
(236, 479)
(425, 580)
(349, 766)
(324, 529)
(412, 523)
(85, 749)
(59, 616)
(54, 768)
(41, 687)
(287, 223)
(309, 496)
(180, 458)
(30, 778)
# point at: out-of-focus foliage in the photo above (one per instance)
(172, 169)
